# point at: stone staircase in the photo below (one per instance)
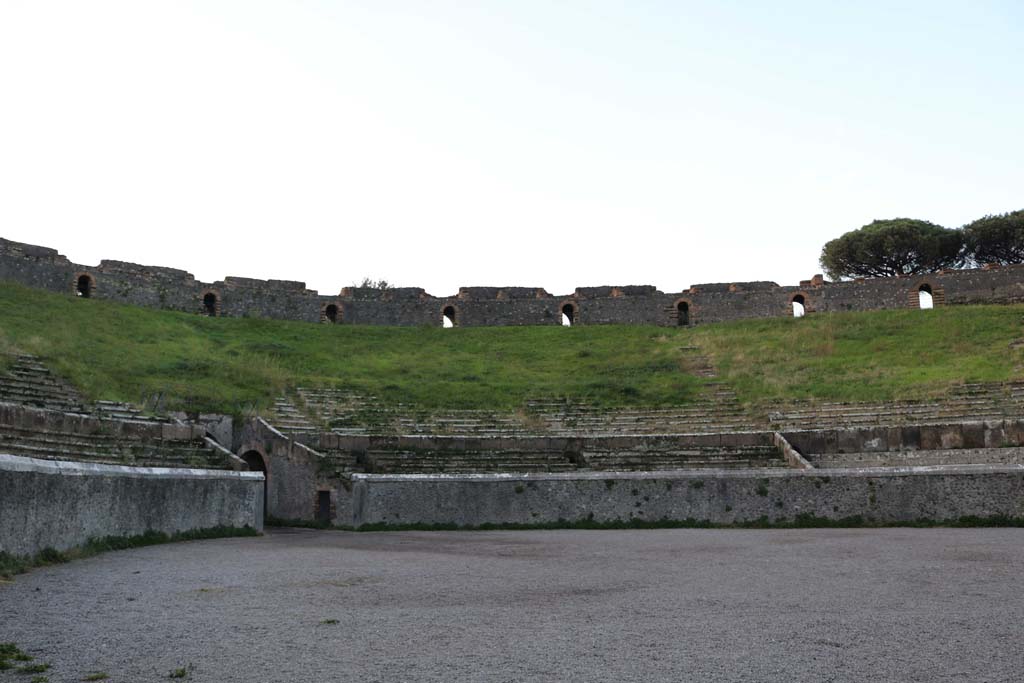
(290, 419)
(27, 381)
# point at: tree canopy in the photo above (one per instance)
(996, 239)
(897, 246)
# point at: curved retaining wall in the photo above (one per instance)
(61, 505)
(719, 496)
(172, 289)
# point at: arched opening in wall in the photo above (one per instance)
(84, 286)
(448, 317)
(568, 314)
(331, 314)
(210, 304)
(924, 297)
(683, 314)
(799, 306)
(256, 464)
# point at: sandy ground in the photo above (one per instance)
(660, 605)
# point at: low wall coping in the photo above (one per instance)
(705, 473)
(17, 463)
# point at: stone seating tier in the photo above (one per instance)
(27, 381)
(51, 435)
(419, 462)
(920, 458)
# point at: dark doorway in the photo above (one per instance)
(323, 507)
(683, 309)
(568, 315)
(448, 316)
(798, 306)
(925, 298)
(210, 304)
(331, 314)
(83, 287)
(256, 464)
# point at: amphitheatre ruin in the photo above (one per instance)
(332, 456)
(76, 467)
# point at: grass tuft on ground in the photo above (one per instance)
(195, 363)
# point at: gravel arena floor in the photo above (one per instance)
(659, 605)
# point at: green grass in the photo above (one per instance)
(129, 353)
(228, 365)
(871, 356)
(180, 672)
(11, 653)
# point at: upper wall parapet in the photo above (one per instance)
(19, 249)
(615, 291)
(389, 294)
(501, 293)
(174, 289)
(108, 266)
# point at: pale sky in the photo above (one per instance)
(551, 144)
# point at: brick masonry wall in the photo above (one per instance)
(172, 289)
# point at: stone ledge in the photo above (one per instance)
(17, 463)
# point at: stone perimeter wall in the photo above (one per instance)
(61, 505)
(717, 496)
(168, 288)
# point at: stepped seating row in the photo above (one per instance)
(685, 458)
(126, 412)
(288, 418)
(890, 414)
(967, 402)
(51, 435)
(420, 462)
(439, 454)
(345, 413)
(481, 461)
(919, 458)
(719, 411)
(28, 382)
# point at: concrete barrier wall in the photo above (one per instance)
(61, 505)
(718, 496)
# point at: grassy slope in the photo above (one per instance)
(880, 355)
(127, 353)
